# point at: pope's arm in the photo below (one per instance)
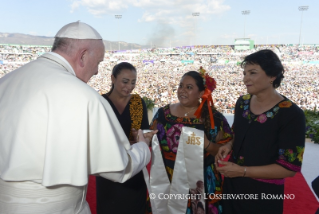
(124, 160)
(139, 156)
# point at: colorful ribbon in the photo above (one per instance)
(207, 96)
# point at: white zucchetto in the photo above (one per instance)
(78, 30)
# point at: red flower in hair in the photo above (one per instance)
(210, 83)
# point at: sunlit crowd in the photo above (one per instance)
(160, 70)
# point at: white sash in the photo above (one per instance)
(188, 176)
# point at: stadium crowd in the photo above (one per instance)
(160, 69)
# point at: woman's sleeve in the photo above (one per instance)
(237, 110)
(291, 141)
(145, 123)
(224, 130)
(153, 125)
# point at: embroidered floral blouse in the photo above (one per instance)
(275, 136)
(169, 129)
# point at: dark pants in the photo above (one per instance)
(315, 187)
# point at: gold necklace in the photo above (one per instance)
(189, 111)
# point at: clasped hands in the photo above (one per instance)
(228, 169)
(138, 136)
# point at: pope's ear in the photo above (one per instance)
(83, 58)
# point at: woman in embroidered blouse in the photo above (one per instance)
(268, 143)
(169, 121)
(130, 109)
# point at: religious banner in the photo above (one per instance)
(188, 179)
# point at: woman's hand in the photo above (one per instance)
(140, 137)
(149, 135)
(229, 169)
(134, 134)
(223, 151)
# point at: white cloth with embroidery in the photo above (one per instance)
(56, 130)
(188, 176)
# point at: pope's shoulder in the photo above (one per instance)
(53, 79)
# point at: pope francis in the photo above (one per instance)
(55, 130)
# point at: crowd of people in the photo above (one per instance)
(160, 69)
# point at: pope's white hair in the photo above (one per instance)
(71, 46)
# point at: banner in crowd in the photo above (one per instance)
(311, 62)
(187, 46)
(190, 53)
(305, 53)
(148, 61)
(187, 61)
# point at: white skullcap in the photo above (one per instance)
(78, 30)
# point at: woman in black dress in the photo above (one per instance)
(130, 109)
(269, 140)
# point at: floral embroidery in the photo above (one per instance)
(300, 151)
(161, 131)
(169, 172)
(290, 155)
(213, 132)
(246, 97)
(291, 159)
(169, 130)
(240, 160)
(210, 180)
(246, 113)
(183, 120)
(227, 130)
(262, 118)
(136, 112)
(173, 136)
(285, 104)
(269, 114)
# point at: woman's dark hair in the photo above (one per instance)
(117, 70)
(269, 62)
(198, 79)
(200, 84)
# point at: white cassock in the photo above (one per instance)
(55, 130)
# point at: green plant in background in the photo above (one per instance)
(312, 125)
(149, 103)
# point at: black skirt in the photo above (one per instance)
(121, 198)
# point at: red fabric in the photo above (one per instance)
(91, 194)
(304, 203)
(207, 96)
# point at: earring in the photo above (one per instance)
(271, 82)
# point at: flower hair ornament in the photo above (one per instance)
(210, 86)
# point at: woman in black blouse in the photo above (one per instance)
(130, 109)
(269, 140)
